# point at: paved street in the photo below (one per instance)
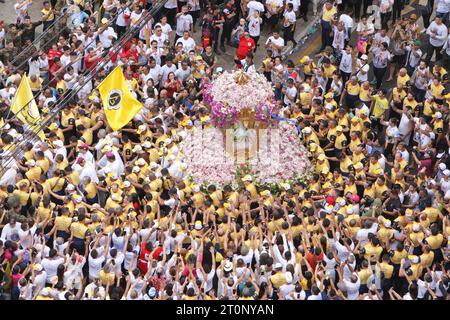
(226, 60)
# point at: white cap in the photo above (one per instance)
(153, 165)
(70, 187)
(141, 162)
(438, 115)
(7, 126)
(415, 259)
(442, 166)
(58, 143)
(228, 266)
(278, 265)
(147, 144)
(136, 169)
(127, 184)
(38, 267)
(168, 141)
(446, 172)
(364, 57)
(307, 130)
(387, 223)
(31, 163)
(416, 227)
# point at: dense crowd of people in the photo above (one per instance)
(96, 214)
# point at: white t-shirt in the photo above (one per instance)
(253, 6)
(104, 37)
(95, 265)
(155, 73)
(159, 39)
(121, 22)
(290, 17)
(346, 62)
(278, 42)
(439, 32)
(289, 92)
(188, 44)
(184, 23)
(166, 29)
(8, 231)
(165, 70)
(254, 26)
(51, 267)
(362, 71)
(347, 20)
(170, 4)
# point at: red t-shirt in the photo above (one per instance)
(145, 256)
(313, 260)
(245, 47)
(91, 63)
(53, 54)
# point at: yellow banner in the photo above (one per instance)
(25, 108)
(119, 104)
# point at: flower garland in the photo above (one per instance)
(227, 98)
(283, 160)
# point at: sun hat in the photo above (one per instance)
(228, 266)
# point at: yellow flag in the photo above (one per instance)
(25, 108)
(119, 104)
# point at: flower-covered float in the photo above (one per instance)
(244, 139)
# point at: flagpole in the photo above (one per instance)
(90, 77)
(48, 84)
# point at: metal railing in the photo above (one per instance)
(31, 135)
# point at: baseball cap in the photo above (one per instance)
(141, 129)
(198, 225)
(152, 292)
(38, 267)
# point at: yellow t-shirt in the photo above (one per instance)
(380, 107)
(329, 14)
